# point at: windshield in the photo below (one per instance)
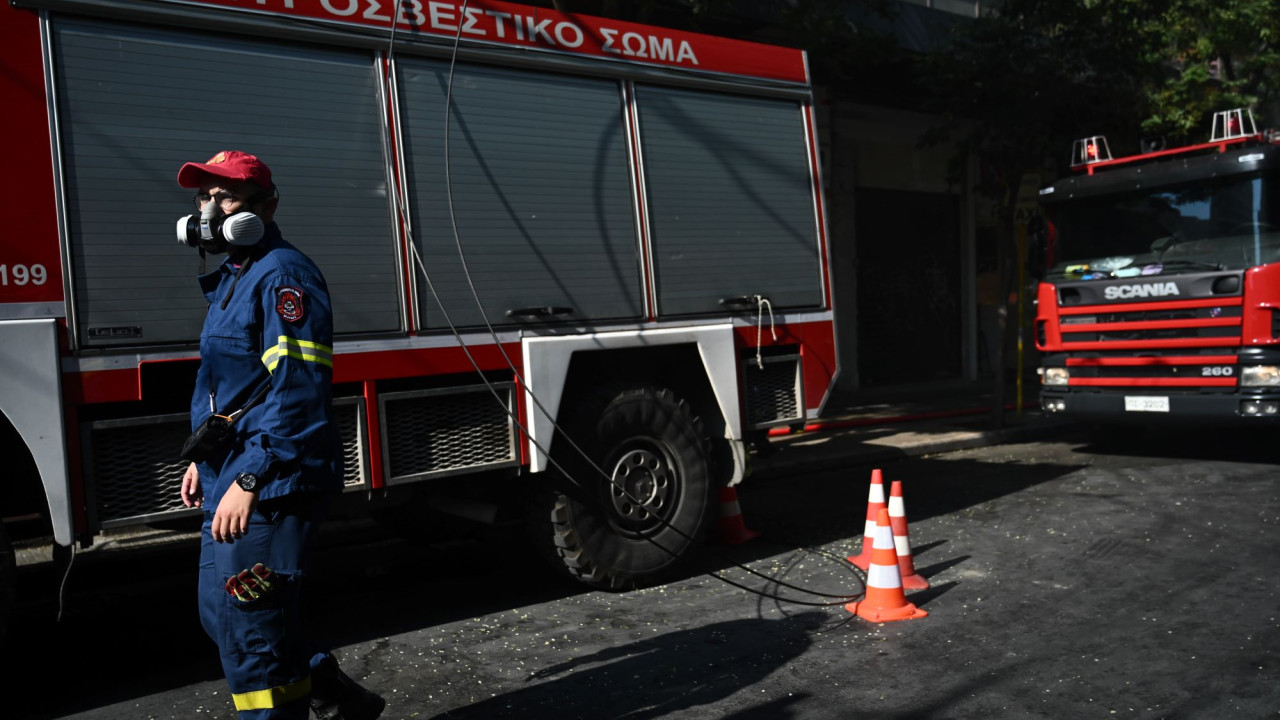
(1221, 226)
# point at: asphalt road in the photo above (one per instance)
(1069, 580)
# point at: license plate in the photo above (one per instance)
(1146, 404)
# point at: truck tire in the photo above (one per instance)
(8, 570)
(634, 529)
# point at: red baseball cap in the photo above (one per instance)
(228, 164)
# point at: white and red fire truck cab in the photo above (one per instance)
(1162, 297)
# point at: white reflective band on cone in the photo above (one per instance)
(884, 538)
(903, 544)
(883, 576)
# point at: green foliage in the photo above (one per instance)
(1020, 84)
(1216, 55)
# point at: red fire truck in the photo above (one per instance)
(535, 226)
(1162, 296)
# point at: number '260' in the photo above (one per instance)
(23, 274)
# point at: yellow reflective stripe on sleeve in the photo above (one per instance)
(272, 697)
(299, 350)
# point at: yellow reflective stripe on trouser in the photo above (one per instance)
(272, 697)
(297, 349)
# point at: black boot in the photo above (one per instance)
(334, 696)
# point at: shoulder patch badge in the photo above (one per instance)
(289, 303)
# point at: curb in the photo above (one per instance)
(851, 451)
(853, 422)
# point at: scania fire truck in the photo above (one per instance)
(1161, 300)
(541, 232)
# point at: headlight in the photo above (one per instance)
(1260, 376)
(1054, 376)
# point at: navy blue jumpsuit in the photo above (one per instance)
(277, 325)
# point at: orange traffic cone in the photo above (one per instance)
(884, 600)
(911, 580)
(733, 531)
(875, 503)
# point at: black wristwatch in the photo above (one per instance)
(248, 482)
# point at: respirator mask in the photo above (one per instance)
(213, 230)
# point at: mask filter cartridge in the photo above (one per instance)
(213, 231)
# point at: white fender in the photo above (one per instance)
(546, 367)
(31, 397)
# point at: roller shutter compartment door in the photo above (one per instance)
(542, 197)
(730, 199)
(134, 104)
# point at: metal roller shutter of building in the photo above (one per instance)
(730, 200)
(541, 193)
(135, 104)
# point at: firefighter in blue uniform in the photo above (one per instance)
(266, 360)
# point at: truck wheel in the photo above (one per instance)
(636, 526)
(8, 569)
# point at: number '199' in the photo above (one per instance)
(23, 274)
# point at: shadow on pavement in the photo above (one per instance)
(1230, 443)
(809, 510)
(129, 628)
(657, 676)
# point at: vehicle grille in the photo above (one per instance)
(135, 473)
(429, 433)
(774, 393)
(135, 468)
(1180, 327)
(1180, 347)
